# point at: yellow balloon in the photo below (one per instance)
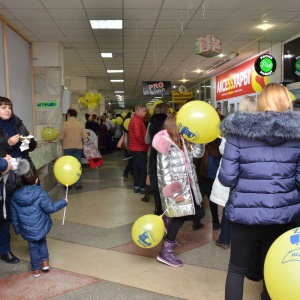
(281, 269)
(124, 114)
(119, 120)
(49, 133)
(82, 101)
(292, 96)
(158, 102)
(148, 231)
(171, 109)
(89, 97)
(198, 122)
(113, 121)
(98, 97)
(151, 111)
(92, 105)
(126, 123)
(67, 170)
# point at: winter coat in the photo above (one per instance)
(20, 129)
(72, 134)
(219, 193)
(175, 165)
(210, 161)
(156, 123)
(30, 212)
(261, 165)
(137, 132)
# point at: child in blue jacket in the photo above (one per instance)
(31, 207)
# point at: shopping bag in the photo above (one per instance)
(92, 154)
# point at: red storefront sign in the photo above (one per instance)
(239, 81)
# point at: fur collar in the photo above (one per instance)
(271, 127)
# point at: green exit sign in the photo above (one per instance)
(52, 104)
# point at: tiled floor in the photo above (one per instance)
(92, 255)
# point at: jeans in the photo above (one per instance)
(38, 251)
(77, 154)
(4, 237)
(224, 236)
(139, 169)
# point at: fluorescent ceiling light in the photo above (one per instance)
(106, 24)
(119, 92)
(117, 80)
(106, 55)
(115, 71)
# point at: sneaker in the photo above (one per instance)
(224, 246)
(45, 265)
(136, 189)
(36, 273)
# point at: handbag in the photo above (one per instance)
(92, 154)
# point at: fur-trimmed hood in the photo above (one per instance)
(271, 127)
(162, 142)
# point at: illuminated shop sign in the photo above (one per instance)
(239, 81)
(265, 65)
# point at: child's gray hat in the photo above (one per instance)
(23, 166)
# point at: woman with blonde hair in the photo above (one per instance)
(261, 166)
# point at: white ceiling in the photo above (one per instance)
(158, 39)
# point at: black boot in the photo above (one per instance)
(197, 225)
(9, 258)
(147, 194)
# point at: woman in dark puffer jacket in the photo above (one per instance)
(261, 165)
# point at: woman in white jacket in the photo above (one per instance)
(177, 182)
(220, 193)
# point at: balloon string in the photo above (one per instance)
(63, 222)
(167, 209)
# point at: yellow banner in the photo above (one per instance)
(180, 97)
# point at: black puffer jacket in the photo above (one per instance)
(12, 181)
(22, 130)
(156, 123)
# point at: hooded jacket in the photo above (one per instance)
(30, 212)
(176, 166)
(261, 165)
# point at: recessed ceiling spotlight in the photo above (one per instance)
(264, 26)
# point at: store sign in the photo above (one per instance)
(297, 66)
(239, 81)
(156, 88)
(265, 65)
(181, 96)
